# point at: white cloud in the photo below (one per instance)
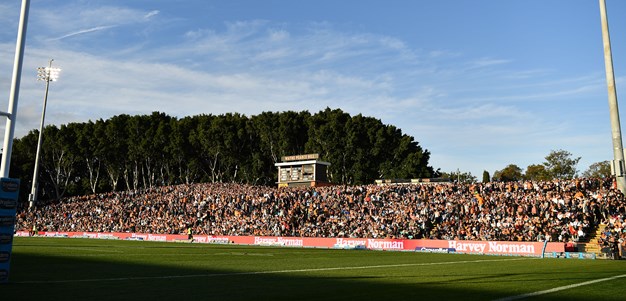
(487, 62)
(78, 18)
(151, 14)
(83, 31)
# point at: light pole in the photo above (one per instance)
(11, 115)
(46, 74)
(618, 168)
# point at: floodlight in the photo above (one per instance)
(48, 73)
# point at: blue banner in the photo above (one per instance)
(9, 190)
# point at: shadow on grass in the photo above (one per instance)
(45, 277)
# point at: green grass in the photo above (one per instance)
(83, 269)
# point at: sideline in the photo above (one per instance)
(268, 272)
(560, 288)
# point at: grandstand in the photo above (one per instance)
(566, 213)
(284, 243)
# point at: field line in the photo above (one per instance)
(92, 249)
(269, 272)
(560, 288)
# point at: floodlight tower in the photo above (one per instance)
(617, 166)
(47, 74)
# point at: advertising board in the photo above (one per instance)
(9, 190)
(508, 248)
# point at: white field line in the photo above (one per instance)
(268, 272)
(560, 288)
(92, 249)
(162, 255)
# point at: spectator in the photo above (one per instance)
(558, 210)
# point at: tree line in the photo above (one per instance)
(558, 164)
(144, 151)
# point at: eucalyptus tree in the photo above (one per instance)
(114, 149)
(23, 161)
(156, 161)
(266, 126)
(360, 146)
(184, 157)
(293, 132)
(87, 150)
(151, 150)
(327, 137)
(203, 138)
(138, 130)
(236, 145)
(266, 148)
(59, 157)
(402, 157)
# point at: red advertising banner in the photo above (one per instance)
(417, 245)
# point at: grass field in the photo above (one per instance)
(83, 269)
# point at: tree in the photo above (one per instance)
(275, 135)
(486, 177)
(509, 174)
(114, 148)
(293, 132)
(362, 156)
(145, 151)
(598, 170)
(136, 130)
(327, 135)
(224, 146)
(58, 158)
(184, 157)
(536, 172)
(157, 164)
(413, 160)
(23, 162)
(561, 165)
(460, 177)
(87, 149)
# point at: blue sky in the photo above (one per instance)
(480, 84)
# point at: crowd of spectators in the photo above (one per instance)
(558, 210)
(613, 237)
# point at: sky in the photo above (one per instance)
(479, 84)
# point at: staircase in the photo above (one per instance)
(592, 246)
